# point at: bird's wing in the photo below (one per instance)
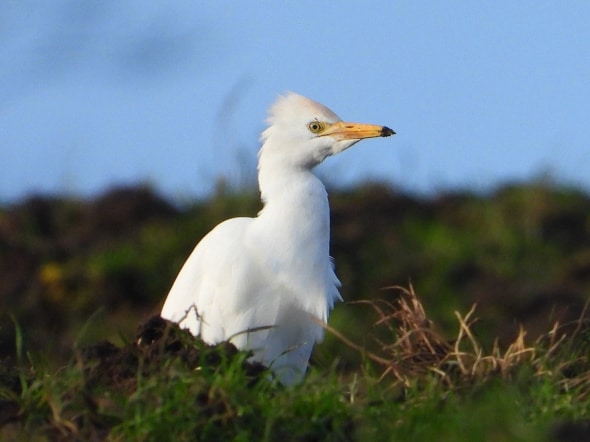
(209, 285)
(231, 288)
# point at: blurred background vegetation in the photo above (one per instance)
(83, 270)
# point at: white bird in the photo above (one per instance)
(267, 283)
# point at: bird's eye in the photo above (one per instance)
(315, 126)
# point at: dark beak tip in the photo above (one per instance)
(386, 132)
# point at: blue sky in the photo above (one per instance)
(175, 93)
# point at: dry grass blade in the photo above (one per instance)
(573, 341)
(417, 349)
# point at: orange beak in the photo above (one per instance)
(357, 131)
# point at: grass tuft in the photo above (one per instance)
(417, 350)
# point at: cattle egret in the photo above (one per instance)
(267, 283)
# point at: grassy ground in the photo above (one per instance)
(166, 385)
(78, 276)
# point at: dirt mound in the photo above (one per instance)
(157, 343)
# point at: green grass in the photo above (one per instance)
(179, 404)
(421, 388)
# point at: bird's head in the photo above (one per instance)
(302, 132)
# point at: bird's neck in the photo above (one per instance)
(279, 181)
(295, 200)
(295, 225)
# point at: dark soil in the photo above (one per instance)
(157, 342)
